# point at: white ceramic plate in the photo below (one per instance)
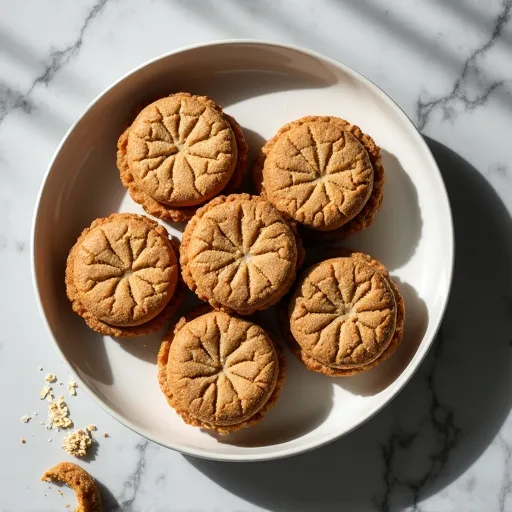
(263, 86)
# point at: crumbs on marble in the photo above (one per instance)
(46, 392)
(22, 440)
(50, 377)
(106, 434)
(72, 386)
(58, 414)
(77, 443)
(25, 418)
(91, 428)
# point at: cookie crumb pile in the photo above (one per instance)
(58, 414)
(77, 443)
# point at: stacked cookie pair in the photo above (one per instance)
(318, 178)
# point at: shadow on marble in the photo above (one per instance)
(227, 15)
(393, 247)
(467, 10)
(108, 500)
(416, 320)
(451, 410)
(92, 452)
(471, 88)
(476, 375)
(52, 124)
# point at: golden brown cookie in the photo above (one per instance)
(220, 372)
(239, 254)
(122, 275)
(324, 173)
(346, 315)
(180, 152)
(80, 481)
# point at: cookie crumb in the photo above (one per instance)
(22, 440)
(49, 439)
(40, 368)
(77, 443)
(25, 419)
(72, 387)
(105, 434)
(58, 414)
(60, 492)
(67, 505)
(91, 428)
(50, 377)
(46, 392)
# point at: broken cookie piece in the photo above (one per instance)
(80, 481)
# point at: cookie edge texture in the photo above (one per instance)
(185, 241)
(312, 364)
(173, 213)
(367, 214)
(87, 493)
(162, 359)
(130, 331)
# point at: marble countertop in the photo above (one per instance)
(445, 443)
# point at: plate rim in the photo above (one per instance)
(316, 443)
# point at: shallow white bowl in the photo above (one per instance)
(264, 86)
